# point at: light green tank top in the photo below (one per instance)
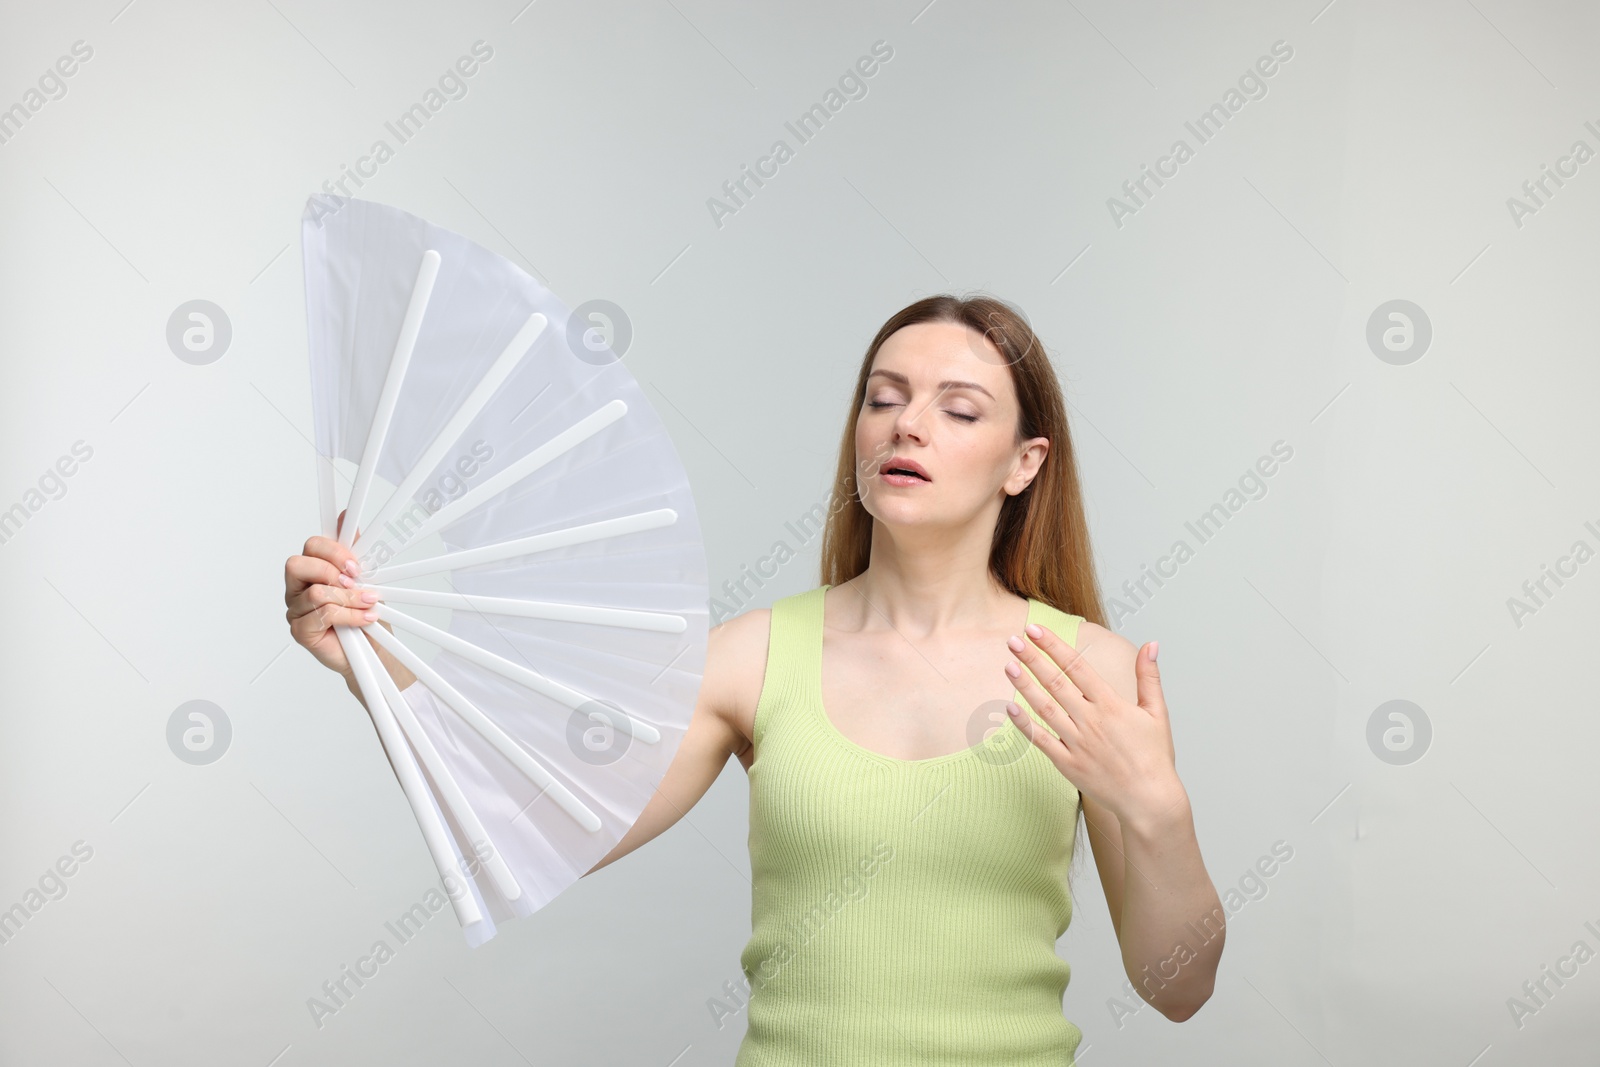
(902, 911)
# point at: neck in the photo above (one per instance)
(923, 595)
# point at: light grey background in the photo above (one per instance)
(1228, 313)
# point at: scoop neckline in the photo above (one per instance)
(929, 761)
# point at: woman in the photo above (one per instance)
(910, 863)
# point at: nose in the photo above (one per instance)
(909, 422)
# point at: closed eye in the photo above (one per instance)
(952, 414)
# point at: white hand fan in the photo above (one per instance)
(522, 512)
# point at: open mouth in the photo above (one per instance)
(908, 468)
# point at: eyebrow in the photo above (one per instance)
(946, 384)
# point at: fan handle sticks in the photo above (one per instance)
(500, 481)
(470, 408)
(561, 694)
(507, 746)
(410, 326)
(457, 800)
(434, 833)
(654, 621)
(524, 546)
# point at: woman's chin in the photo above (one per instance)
(907, 513)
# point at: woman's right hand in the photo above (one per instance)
(319, 589)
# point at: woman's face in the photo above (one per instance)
(939, 395)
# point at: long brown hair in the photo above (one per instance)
(1041, 540)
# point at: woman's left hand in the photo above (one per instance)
(1116, 752)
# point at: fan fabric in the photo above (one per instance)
(602, 702)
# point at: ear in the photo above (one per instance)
(1029, 460)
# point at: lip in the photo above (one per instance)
(908, 464)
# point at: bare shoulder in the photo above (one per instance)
(736, 666)
(1109, 653)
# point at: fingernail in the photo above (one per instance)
(352, 567)
(1034, 630)
(1013, 670)
(1012, 709)
(369, 615)
(346, 581)
(1014, 643)
(1155, 647)
(369, 596)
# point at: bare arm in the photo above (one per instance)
(1168, 918)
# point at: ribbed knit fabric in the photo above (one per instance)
(903, 912)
